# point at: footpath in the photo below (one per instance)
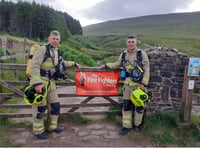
(99, 133)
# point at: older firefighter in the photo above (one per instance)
(128, 62)
(42, 76)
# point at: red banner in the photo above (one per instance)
(97, 83)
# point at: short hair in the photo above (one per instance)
(54, 32)
(132, 37)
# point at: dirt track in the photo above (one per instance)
(97, 133)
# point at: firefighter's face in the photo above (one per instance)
(54, 40)
(131, 44)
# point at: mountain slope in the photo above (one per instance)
(181, 23)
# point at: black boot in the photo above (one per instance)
(137, 128)
(58, 130)
(42, 136)
(124, 130)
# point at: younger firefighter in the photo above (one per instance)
(127, 60)
(43, 76)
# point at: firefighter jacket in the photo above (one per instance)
(49, 64)
(130, 59)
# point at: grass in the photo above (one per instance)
(5, 127)
(164, 129)
(187, 23)
(188, 44)
(112, 116)
(76, 118)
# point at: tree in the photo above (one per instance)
(36, 21)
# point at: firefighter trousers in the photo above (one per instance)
(128, 118)
(51, 106)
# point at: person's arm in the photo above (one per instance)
(115, 65)
(72, 64)
(37, 60)
(146, 67)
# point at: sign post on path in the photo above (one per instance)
(191, 72)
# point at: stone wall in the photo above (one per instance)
(166, 78)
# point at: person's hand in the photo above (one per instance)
(39, 88)
(77, 65)
(141, 86)
(103, 66)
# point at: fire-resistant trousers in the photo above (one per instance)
(52, 106)
(127, 111)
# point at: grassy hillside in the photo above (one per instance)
(181, 23)
(180, 31)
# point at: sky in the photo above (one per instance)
(95, 11)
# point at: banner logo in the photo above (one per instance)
(97, 83)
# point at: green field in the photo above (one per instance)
(180, 31)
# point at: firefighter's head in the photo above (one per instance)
(54, 38)
(131, 43)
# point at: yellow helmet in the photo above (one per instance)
(31, 97)
(139, 97)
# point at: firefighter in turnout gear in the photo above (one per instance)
(127, 62)
(43, 76)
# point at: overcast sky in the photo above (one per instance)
(95, 11)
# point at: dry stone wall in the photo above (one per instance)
(166, 78)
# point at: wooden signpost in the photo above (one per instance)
(191, 71)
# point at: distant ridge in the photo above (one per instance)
(181, 23)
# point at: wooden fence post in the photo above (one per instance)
(186, 106)
(4, 45)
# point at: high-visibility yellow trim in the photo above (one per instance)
(127, 119)
(35, 77)
(138, 119)
(53, 124)
(48, 64)
(129, 82)
(37, 127)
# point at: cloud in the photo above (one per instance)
(96, 11)
(117, 9)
